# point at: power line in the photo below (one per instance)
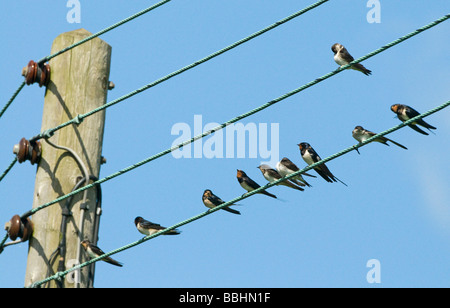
(79, 118)
(240, 117)
(12, 98)
(151, 8)
(59, 275)
(125, 170)
(47, 58)
(8, 169)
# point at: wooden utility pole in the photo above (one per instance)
(79, 83)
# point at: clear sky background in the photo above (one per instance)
(396, 208)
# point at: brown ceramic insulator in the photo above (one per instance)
(28, 151)
(20, 228)
(30, 72)
(15, 227)
(36, 73)
(23, 150)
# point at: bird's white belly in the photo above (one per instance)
(339, 60)
(308, 159)
(246, 187)
(144, 231)
(361, 137)
(282, 170)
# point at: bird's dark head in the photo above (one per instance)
(358, 129)
(263, 168)
(85, 243)
(137, 220)
(207, 193)
(395, 107)
(335, 48)
(240, 173)
(303, 146)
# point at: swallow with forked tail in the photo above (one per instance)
(249, 185)
(211, 201)
(272, 175)
(285, 167)
(404, 113)
(343, 57)
(148, 228)
(310, 156)
(361, 134)
(94, 252)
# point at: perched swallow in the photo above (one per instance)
(210, 200)
(404, 113)
(94, 252)
(148, 228)
(271, 175)
(310, 157)
(342, 57)
(286, 167)
(361, 134)
(248, 184)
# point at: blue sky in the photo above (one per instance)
(396, 208)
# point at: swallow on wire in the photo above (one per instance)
(285, 167)
(361, 134)
(94, 252)
(310, 157)
(404, 113)
(343, 57)
(272, 175)
(148, 228)
(248, 184)
(211, 201)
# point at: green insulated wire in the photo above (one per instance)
(79, 118)
(104, 31)
(167, 151)
(7, 169)
(246, 195)
(12, 98)
(3, 242)
(45, 59)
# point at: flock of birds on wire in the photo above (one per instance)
(284, 167)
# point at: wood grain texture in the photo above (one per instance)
(78, 84)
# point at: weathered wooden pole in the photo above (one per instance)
(79, 83)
